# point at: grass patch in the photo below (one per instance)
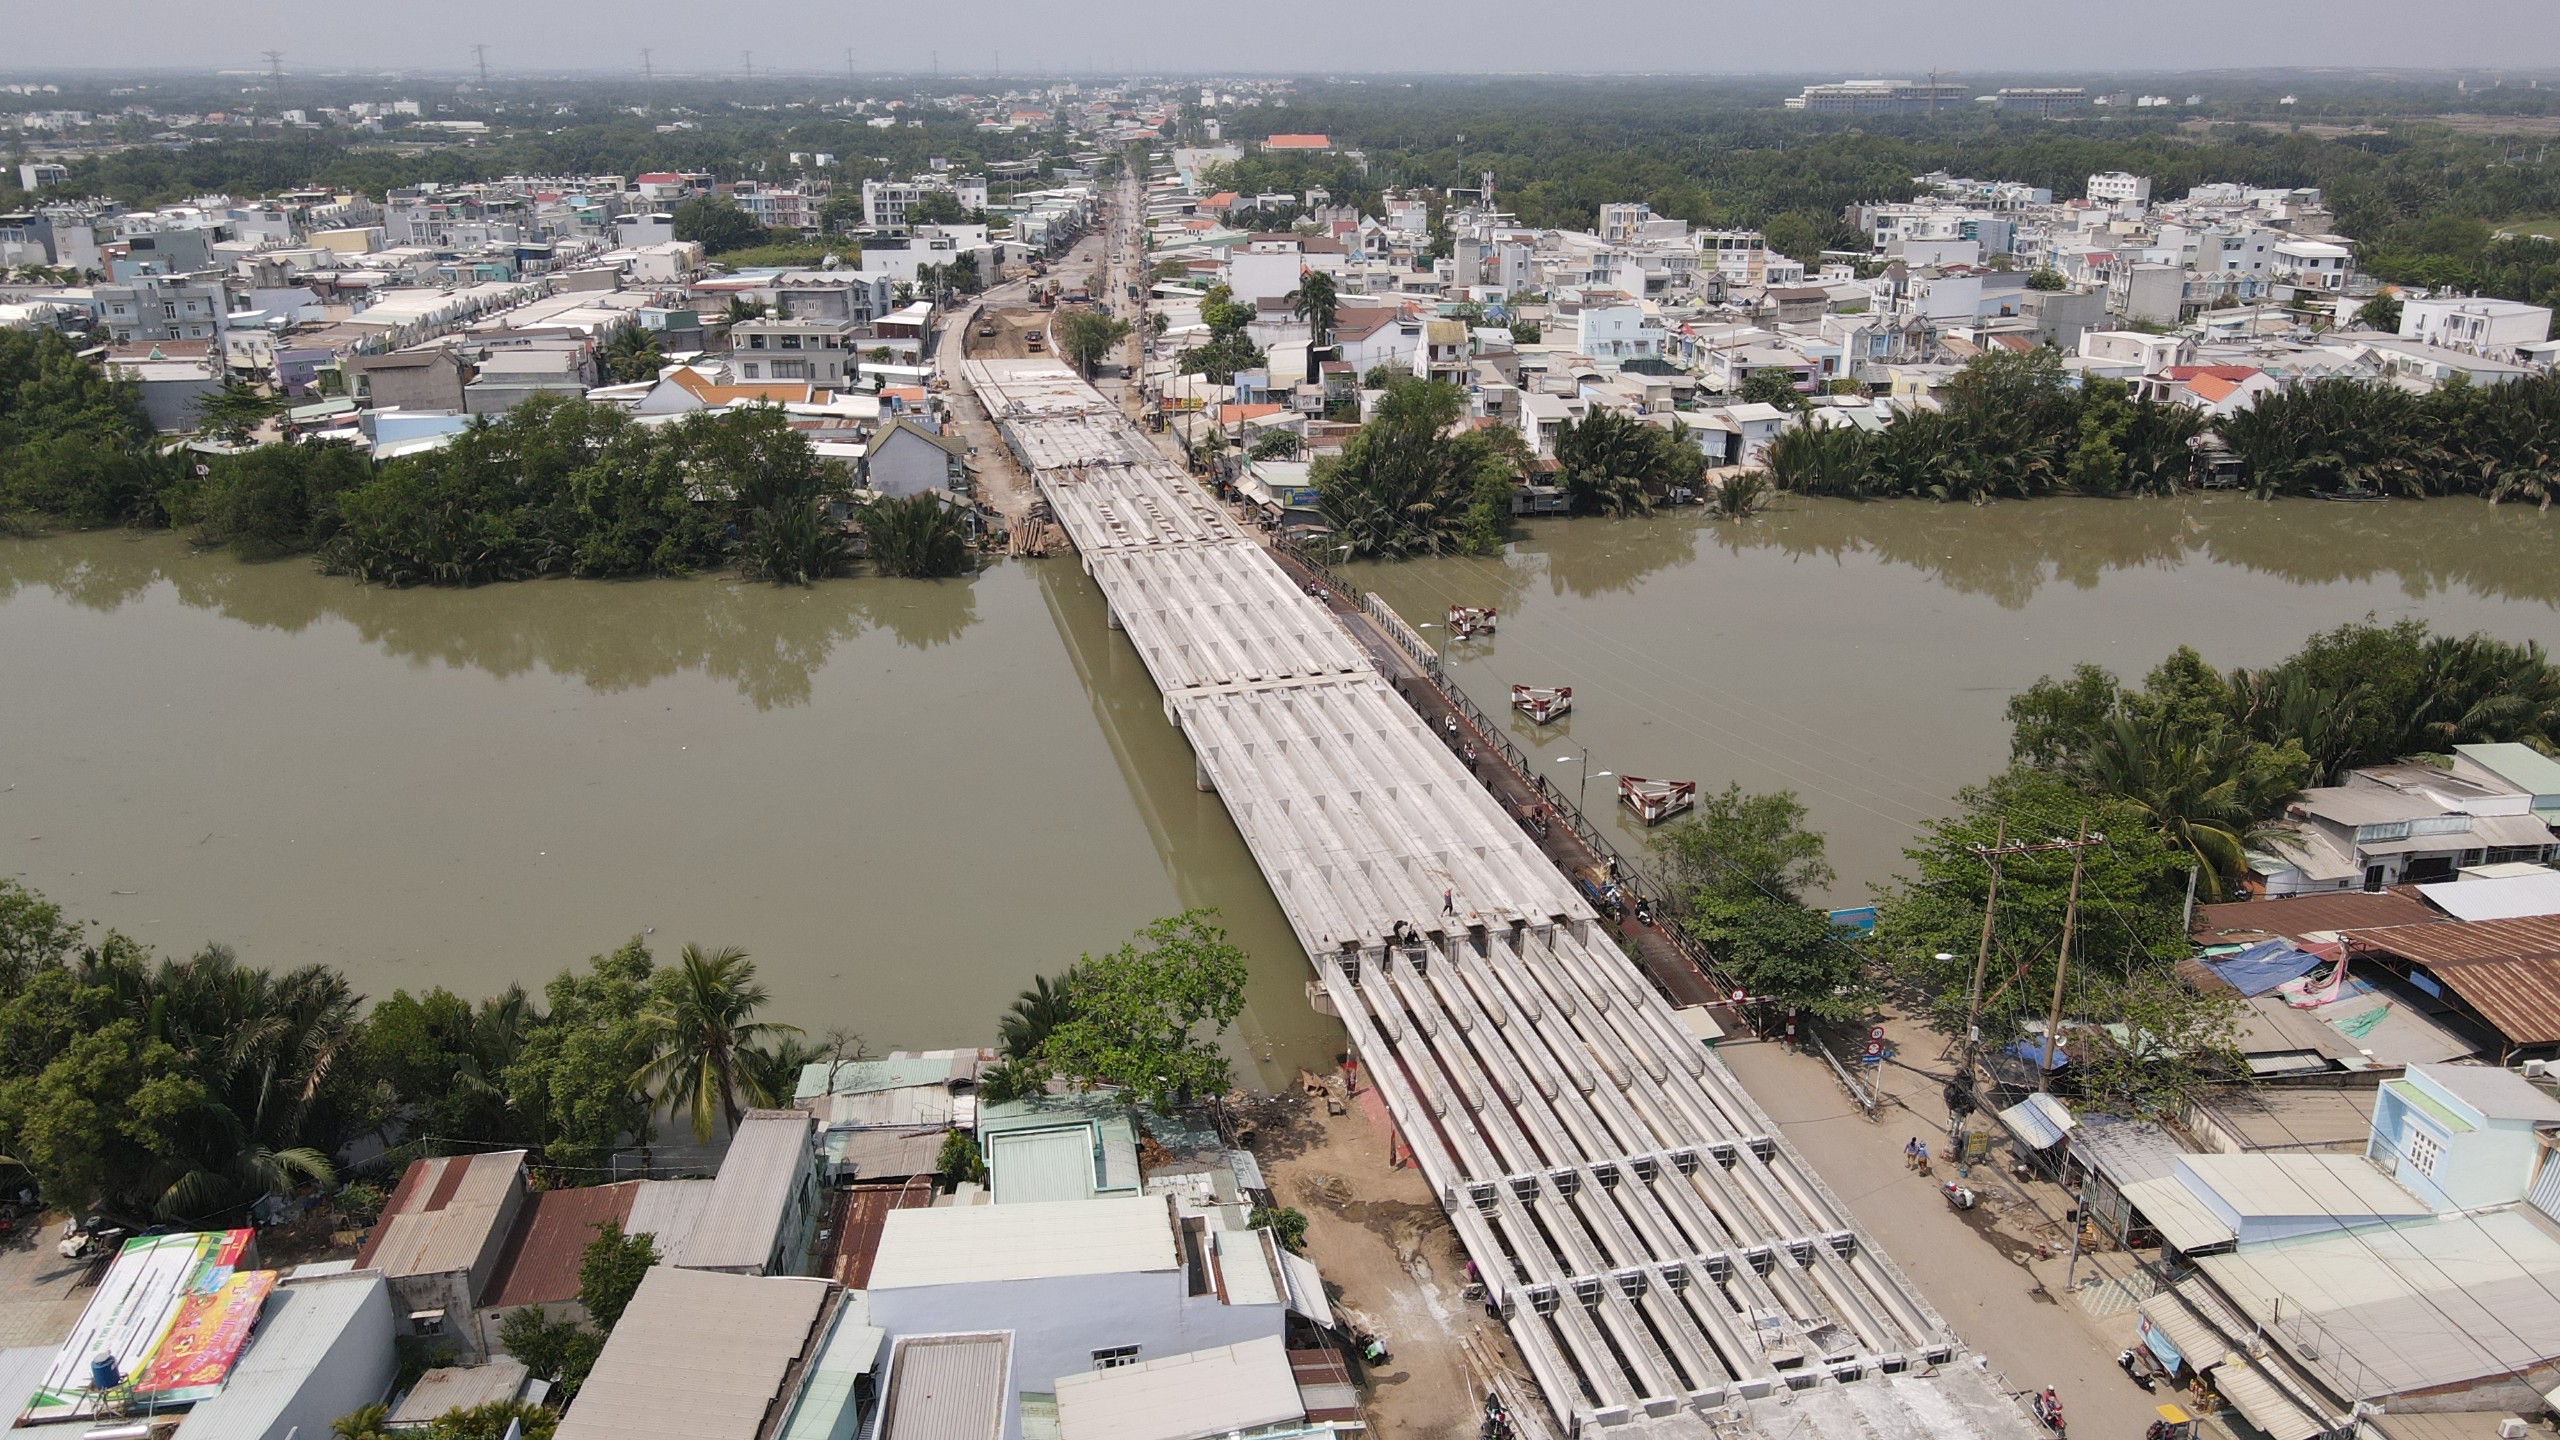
(798, 257)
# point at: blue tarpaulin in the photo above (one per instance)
(2031, 1050)
(2262, 967)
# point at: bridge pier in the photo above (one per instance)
(1200, 776)
(1111, 616)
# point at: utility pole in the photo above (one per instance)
(480, 57)
(2062, 960)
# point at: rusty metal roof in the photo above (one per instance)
(2507, 970)
(553, 1230)
(2303, 914)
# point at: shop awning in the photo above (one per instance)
(2270, 1409)
(2200, 1345)
(2174, 1211)
(2039, 1121)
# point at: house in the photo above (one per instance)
(2462, 1137)
(1059, 1147)
(1203, 1395)
(430, 379)
(322, 1348)
(545, 1247)
(458, 1387)
(908, 459)
(2397, 824)
(1442, 355)
(2477, 325)
(2518, 769)
(684, 389)
(819, 351)
(504, 379)
(762, 1210)
(700, 1356)
(2414, 1279)
(2500, 976)
(2216, 390)
(886, 1118)
(1086, 1284)
(439, 1241)
(950, 1385)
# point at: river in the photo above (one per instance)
(905, 799)
(1861, 654)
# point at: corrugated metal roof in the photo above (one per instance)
(460, 1387)
(2345, 1187)
(2039, 1120)
(1032, 1166)
(1306, 1289)
(699, 1355)
(2507, 970)
(2457, 942)
(668, 1209)
(955, 1245)
(552, 1231)
(1246, 1269)
(2411, 1306)
(1205, 1392)
(2506, 898)
(2308, 914)
(2178, 1215)
(442, 1214)
(2497, 1094)
(2255, 1396)
(948, 1387)
(2124, 1150)
(884, 1154)
(2522, 766)
(2196, 1342)
(752, 1191)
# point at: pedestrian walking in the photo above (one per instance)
(1920, 1159)
(1449, 723)
(1449, 900)
(1911, 1153)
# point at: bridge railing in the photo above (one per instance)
(1634, 882)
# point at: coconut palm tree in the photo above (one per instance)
(2204, 788)
(1314, 301)
(1611, 460)
(632, 355)
(1035, 1013)
(700, 1025)
(918, 537)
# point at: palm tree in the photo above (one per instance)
(1611, 461)
(235, 411)
(2203, 788)
(373, 1422)
(915, 536)
(632, 355)
(1313, 302)
(700, 1027)
(1033, 1014)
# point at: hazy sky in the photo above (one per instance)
(1898, 37)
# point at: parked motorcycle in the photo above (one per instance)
(1957, 1196)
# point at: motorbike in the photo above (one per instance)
(2047, 1408)
(1373, 1350)
(1957, 1196)
(1497, 1419)
(85, 1239)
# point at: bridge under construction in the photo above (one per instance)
(1662, 1258)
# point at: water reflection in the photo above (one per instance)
(2007, 552)
(613, 635)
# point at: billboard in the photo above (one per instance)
(173, 1311)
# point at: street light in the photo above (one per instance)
(1582, 792)
(1439, 645)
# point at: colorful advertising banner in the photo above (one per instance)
(160, 1286)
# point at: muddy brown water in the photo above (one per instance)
(907, 799)
(904, 799)
(1862, 654)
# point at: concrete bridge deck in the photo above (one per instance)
(1662, 1258)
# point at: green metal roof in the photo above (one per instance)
(2522, 766)
(2434, 1109)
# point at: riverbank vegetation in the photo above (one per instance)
(181, 1091)
(2016, 426)
(1145, 1018)
(2181, 774)
(1412, 482)
(555, 486)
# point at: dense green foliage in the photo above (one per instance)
(1147, 1016)
(2346, 436)
(183, 1091)
(2012, 425)
(1086, 338)
(1613, 463)
(916, 537)
(1738, 871)
(700, 1025)
(1410, 483)
(74, 445)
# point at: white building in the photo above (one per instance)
(2115, 187)
(2478, 326)
(2314, 264)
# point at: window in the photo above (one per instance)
(790, 369)
(1115, 1357)
(2423, 1153)
(755, 342)
(790, 342)
(751, 371)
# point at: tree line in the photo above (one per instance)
(2016, 426)
(555, 486)
(159, 1090)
